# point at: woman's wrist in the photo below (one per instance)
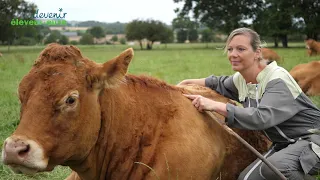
(220, 108)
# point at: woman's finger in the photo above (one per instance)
(191, 96)
(195, 101)
(197, 104)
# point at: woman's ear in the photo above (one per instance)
(258, 54)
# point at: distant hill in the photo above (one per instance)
(111, 28)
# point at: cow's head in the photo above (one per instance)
(309, 43)
(60, 111)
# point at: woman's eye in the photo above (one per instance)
(229, 49)
(241, 49)
(70, 100)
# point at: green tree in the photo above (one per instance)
(152, 30)
(80, 32)
(114, 38)
(10, 10)
(184, 22)
(155, 31)
(166, 36)
(42, 31)
(182, 35)
(110, 28)
(220, 14)
(33, 33)
(108, 31)
(206, 36)
(136, 30)
(309, 12)
(96, 31)
(123, 41)
(86, 39)
(193, 35)
(74, 42)
(275, 19)
(63, 40)
(25, 41)
(53, 37)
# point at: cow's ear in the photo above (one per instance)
(114, 70)
(110, 73)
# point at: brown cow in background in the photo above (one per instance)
(106, 124)
(313, 47)
(308, 77)
(269, 54)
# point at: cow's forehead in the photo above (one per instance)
(309, 41)
(53, 80)
(55, 53)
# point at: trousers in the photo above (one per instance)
(290, 161)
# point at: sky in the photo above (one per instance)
(111, 10)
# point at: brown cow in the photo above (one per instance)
(269, 54)
(105, 124)
(313, 47)
(308, 77)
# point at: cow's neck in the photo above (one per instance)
(126, 134)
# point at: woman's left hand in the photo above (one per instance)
(201, 103)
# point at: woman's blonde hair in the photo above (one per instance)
(254, 37)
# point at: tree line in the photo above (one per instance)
(270, 18)
(273, 19)
(152, 30)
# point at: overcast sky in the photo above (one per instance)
(111, 10)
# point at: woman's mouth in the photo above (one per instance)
(235, 62)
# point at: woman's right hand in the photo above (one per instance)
(200, 82)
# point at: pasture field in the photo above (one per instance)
(171, 63)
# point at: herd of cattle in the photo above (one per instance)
(106, 124)
(307, 75)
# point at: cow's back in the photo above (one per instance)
(151, 124)
(269, 54)
(308, 77)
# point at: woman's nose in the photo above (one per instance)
(233, 53)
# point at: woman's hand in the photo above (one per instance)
(205, 104)
(201, 103)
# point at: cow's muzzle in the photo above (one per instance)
(23, 155)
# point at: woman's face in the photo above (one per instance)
(241, 54)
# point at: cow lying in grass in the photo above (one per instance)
(106, 124)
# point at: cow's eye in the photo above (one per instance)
(70, 100)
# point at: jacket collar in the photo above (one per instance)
(266, 71)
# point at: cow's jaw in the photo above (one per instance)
(24, 160)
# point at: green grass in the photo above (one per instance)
(172, 64)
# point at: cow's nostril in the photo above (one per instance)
(24, 151)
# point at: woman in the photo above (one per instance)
(272, 102)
